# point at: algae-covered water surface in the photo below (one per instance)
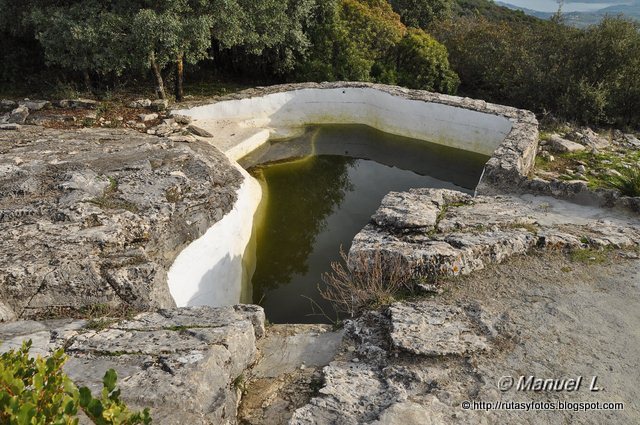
(319, 191)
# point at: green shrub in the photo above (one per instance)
(591, 76)
(36, 391)
(420, 13)
(423, 63)
(351, 40)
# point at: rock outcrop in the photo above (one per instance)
(390, 369)
(97, 216)
(181, 363)
(437, 232)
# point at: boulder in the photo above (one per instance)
(589, 138)
(632, 140)
(199, 131)
(612, 172)
(558, 144)
(140, 103)
(35, 105)
(148, 117)
(160, 105)
(182, 119)
(78, 103)
(19, 115)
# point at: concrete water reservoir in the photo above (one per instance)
(211, 271)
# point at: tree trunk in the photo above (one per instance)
(87, 81)
(179, 78)
(156, 72)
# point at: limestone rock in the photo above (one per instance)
(50, 119)
(589, 138)
(431, 329)
(182, 138)
(468, 233)
(199, 131)
(88, 221)
(35, 105)
(147, 117)
(431, 412)
(19, 115)
(558, 144)
(632, 140)
(180, 363)
(392, 371)
(140, 103)
(353, 393)
(77, 103)
(160, 105)
(416, 209)
(6, 314)
(182, 119)
(612, 172)
(10, 126)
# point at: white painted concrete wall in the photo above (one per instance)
(210, 270)
(448, 125)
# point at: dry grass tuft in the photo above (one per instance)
(360, 283)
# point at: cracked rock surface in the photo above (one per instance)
(181, 363)
(438, 232)
(97, 216)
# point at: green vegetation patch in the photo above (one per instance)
(35, 390)
(601, 169)
(589, 256)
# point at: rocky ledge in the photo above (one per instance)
(183, 363)
(389, 372)
(97, 216)
(437, 232)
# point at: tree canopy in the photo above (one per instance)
(475, 46)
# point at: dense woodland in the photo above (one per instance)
(467, 47)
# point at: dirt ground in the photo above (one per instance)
(564, 319)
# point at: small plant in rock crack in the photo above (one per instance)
(363, 282)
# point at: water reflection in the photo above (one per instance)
(320, 199)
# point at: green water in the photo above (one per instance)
(319, 191)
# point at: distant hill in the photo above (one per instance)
(581, 19)
(491, 11)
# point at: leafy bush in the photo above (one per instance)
(36, 391)
(591, 76)
(423, 63)
(420, 13)
(349, 39)
(356, 284)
